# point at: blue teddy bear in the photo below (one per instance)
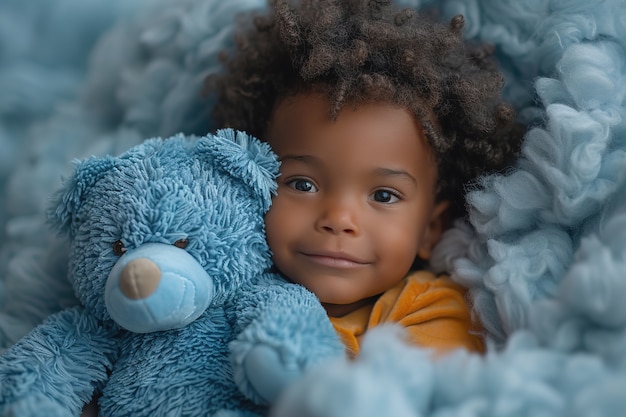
(178, 313)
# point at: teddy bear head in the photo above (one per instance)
(167, 229)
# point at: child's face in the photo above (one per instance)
(356, 198)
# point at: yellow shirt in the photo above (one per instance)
(432, 309)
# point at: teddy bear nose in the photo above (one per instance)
(140, 278)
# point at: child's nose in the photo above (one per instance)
(337, 217)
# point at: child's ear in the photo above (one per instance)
(439, 221)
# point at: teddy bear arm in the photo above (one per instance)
(60, 363)
(283, 330)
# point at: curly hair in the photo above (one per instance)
(357, 51)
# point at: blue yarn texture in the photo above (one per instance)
(166, 325)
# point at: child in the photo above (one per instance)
(380, 119)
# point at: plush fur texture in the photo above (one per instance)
(543, 252)
(169, 262)
(136, 70)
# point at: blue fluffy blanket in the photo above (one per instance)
(544, 253)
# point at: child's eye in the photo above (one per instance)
(303, 185)
(385, 196)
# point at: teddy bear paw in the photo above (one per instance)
(267, 374)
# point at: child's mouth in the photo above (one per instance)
(335, 259)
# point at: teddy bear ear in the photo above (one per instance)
(67, 200)
(246, 158)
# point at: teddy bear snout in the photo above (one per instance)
(140, 278)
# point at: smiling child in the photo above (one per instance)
(380, 119)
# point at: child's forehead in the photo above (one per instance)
(297, 114)
(317, 107)
(302, 125)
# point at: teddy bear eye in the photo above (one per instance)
(181, 243)
(118, 248)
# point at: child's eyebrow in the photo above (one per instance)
(383, 172)
(388, 172)
(310, 159)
